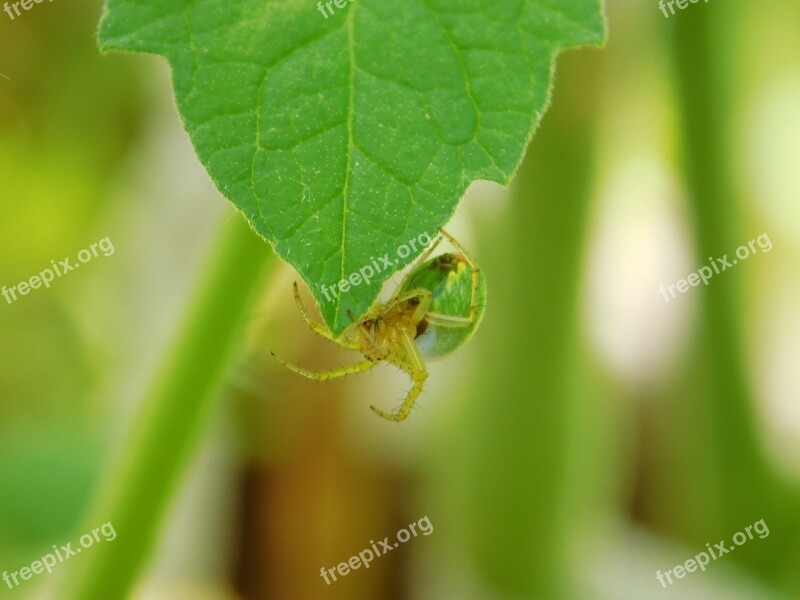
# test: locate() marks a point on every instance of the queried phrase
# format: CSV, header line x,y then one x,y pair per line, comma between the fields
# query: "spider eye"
x,y
446,263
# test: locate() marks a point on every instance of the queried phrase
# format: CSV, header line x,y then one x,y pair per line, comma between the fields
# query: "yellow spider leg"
x,y
447,320
415,367
382,352
326,375
419,312
316,327
422,308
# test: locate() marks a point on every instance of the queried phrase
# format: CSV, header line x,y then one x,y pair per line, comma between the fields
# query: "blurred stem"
x,y
522,421
706,110
744,486
149,468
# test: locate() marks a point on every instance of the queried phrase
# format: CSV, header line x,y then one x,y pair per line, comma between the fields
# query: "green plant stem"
x,y
743,485
521,420
706,107
146,474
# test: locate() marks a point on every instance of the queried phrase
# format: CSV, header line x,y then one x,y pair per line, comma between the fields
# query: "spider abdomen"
x,y
450,320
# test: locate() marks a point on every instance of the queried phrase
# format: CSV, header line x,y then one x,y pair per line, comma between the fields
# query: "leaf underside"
x,y
342,137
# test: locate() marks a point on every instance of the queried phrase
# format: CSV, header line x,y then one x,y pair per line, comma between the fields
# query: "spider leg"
x,y
415,367
425,297
316,327
369,336
447,320
326,375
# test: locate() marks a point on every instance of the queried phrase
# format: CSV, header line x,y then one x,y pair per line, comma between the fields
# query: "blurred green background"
x,y
589,436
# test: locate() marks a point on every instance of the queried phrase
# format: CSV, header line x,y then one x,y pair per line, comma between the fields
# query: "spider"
x,y
435,309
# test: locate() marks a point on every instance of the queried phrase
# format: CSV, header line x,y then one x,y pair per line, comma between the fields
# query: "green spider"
x,y
436,308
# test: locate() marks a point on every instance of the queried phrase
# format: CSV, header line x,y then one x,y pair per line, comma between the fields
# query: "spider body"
x,y
436,309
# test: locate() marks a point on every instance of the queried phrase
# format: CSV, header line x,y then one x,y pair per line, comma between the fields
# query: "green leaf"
x,y
343,136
